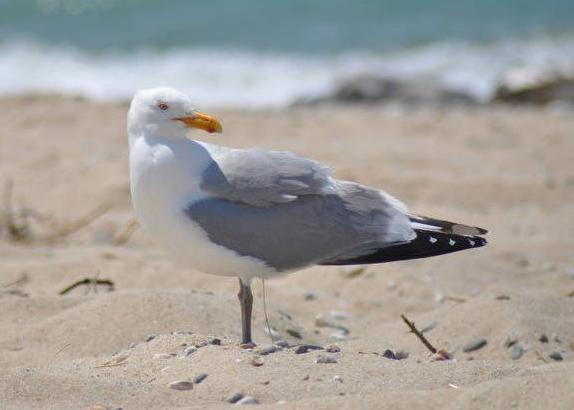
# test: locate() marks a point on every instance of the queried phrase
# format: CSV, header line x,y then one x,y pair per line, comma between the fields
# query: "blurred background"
x,y
255,54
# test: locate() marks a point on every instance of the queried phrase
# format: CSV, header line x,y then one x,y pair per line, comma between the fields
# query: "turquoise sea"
x,y
253,53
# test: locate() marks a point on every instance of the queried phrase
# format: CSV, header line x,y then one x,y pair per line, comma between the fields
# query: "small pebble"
x,y
267,350
323,359
306,348
162,356
332,349
248,346
556,356
516,352
189,350
310,295
215,341
199,378
149,338
247,400
399,355
543,338
441,355
474,345
338,378
235,397
257,362
503,297
282,344
181,385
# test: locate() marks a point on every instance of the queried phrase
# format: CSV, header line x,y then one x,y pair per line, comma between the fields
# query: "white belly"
x,y
162,187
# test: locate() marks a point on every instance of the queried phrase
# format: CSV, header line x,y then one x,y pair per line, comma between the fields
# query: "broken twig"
x,y
88,282
421,337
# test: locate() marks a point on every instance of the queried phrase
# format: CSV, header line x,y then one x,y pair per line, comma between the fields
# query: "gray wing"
x,y
263,178
288,212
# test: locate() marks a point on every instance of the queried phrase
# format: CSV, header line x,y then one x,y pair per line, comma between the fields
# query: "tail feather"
x,y
433,237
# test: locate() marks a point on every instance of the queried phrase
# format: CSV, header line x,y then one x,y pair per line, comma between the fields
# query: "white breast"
x,y
165,178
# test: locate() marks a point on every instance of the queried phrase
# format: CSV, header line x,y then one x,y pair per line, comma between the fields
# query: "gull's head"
x,y
166,112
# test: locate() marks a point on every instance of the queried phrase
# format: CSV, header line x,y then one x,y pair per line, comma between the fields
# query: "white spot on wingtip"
x,y
451,242
472,243
432,239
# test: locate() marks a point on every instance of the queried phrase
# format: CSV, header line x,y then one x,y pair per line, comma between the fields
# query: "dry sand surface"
x,y
510,170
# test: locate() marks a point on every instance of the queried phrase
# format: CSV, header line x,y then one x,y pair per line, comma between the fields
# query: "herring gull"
x,y
252,213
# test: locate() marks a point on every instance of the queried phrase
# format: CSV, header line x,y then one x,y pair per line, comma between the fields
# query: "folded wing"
x,y
288,212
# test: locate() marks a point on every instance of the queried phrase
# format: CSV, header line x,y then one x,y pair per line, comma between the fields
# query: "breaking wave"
x,y
246,79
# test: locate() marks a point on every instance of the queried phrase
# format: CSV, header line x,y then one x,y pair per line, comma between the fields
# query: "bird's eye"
x,y
163,106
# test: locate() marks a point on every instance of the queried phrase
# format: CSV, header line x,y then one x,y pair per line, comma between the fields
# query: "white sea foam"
x,y
255,80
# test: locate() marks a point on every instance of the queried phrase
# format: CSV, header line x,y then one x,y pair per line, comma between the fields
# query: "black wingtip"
x,y
426,244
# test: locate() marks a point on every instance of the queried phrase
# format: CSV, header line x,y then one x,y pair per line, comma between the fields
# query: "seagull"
x,y
253,213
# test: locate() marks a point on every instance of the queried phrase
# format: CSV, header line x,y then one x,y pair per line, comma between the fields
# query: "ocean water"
x,y
253,53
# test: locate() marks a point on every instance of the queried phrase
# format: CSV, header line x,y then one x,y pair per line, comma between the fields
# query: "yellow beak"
x,y
203,122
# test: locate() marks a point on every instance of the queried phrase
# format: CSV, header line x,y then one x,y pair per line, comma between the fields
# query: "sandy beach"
x,y
508,169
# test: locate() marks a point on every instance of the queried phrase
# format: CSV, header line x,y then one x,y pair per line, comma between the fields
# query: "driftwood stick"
x,y
421,337
87,281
